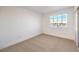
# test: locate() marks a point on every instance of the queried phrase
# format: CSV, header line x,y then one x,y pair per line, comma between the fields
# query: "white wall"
x,y
67,32
18,24
76,27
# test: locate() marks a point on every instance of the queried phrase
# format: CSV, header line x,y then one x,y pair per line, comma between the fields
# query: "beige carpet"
x,y
44,43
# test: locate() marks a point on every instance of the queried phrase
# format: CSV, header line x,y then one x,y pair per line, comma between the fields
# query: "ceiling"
x,y
46,9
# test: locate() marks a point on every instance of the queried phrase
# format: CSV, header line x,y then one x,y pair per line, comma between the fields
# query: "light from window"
x,y
59,20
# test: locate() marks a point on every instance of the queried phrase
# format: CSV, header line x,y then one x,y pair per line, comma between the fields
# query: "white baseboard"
x,y
20,40
58,36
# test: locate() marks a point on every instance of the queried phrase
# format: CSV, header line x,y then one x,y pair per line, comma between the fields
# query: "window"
x,y
59,20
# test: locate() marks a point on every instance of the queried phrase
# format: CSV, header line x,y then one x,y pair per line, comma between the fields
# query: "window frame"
x,y
63,20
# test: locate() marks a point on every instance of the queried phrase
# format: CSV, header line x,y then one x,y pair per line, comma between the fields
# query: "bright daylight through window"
x,y
59,20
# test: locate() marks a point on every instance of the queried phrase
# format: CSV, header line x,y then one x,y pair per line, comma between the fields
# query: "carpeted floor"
x,y
44,43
